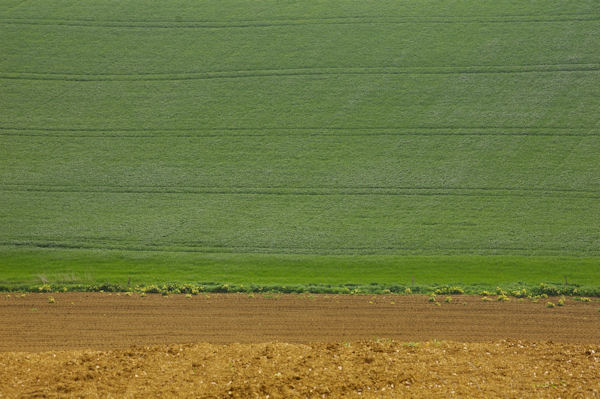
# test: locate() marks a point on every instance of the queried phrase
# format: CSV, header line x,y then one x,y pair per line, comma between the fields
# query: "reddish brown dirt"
x,y
103,321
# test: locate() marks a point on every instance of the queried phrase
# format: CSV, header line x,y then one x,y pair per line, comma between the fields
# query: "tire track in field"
x,y
313,134
369,187
359,68
286,22
577,131
446,127
310,190
291,72
326,18
174,247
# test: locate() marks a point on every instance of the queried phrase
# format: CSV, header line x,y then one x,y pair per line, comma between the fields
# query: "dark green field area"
x,y
316,142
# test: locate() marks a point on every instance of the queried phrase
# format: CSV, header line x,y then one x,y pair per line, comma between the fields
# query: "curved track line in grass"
x,y
312,134
200,132
311,191
91,243
160,129
392,68
324,18
370,187
345,20
316,193
270,73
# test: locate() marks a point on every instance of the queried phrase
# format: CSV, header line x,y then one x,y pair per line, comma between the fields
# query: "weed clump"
x,y
448,299
51,299
45,288
503,298
449,291
550,305
486,299
151,289
582,299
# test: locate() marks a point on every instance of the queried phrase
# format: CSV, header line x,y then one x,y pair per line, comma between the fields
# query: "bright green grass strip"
x,y
28,267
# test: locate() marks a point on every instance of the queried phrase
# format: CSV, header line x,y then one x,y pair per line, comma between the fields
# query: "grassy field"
x,y
322,142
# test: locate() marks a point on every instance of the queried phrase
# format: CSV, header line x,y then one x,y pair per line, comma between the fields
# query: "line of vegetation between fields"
x,y
514,290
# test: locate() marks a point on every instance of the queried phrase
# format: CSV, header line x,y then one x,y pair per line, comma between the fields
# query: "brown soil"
x,y
103,321
368,369
346,362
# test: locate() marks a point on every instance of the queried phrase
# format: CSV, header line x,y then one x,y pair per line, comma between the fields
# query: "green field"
x,y
321,142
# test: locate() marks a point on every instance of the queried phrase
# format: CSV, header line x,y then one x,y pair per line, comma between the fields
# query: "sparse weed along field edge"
x,y
319,145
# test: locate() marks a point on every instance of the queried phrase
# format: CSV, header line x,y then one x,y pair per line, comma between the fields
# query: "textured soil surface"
x,y
101,345
367,369
108,321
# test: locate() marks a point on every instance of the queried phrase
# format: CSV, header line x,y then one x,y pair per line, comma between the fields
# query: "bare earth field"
x,y
107,321
101,345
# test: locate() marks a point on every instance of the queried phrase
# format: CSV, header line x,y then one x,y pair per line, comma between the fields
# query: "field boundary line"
x,y
291,72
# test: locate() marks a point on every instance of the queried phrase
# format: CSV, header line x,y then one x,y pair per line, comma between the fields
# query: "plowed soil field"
x,y
108,321
223,346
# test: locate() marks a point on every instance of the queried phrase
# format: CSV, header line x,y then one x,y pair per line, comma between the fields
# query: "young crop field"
x,y
418,143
